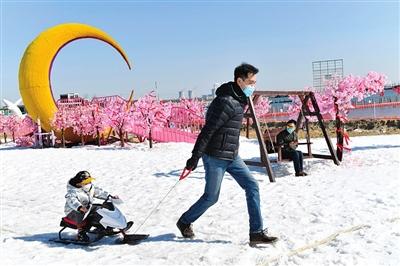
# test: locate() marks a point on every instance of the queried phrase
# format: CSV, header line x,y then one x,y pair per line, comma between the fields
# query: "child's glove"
x,y
82,209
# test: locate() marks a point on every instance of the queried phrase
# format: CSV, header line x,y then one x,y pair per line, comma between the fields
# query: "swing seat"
x,y
270,139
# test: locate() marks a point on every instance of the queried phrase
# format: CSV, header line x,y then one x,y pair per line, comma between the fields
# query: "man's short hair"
x,y
244,70
291,121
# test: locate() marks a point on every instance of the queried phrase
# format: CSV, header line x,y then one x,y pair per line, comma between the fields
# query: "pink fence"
x,y
183,125
385,111
172,135
161,134
377,105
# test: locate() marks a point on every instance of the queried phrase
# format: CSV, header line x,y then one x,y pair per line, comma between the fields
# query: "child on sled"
x,y
80,196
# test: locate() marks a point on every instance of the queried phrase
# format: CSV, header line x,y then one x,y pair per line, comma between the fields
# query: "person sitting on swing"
x,y
289,140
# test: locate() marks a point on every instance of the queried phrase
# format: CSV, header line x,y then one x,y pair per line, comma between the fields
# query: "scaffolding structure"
x,y
324,71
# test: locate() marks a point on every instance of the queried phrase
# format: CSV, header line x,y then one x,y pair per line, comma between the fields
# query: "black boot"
x,y
262,238
186,229
82,236
301,174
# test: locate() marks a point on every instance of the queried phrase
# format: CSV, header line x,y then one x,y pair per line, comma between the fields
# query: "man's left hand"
x,y
191,164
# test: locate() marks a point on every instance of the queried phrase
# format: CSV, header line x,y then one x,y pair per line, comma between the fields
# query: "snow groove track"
x,y
323,241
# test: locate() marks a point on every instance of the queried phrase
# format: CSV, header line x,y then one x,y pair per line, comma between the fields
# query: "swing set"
x,y
306,97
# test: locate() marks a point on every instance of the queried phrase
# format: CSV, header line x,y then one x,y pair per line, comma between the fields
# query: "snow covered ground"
x,y
338,215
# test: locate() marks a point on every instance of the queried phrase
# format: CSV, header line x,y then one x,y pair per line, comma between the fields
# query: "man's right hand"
x,y
191,164
293,145
82,209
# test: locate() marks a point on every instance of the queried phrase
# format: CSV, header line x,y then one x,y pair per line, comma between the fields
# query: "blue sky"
x,y
185,45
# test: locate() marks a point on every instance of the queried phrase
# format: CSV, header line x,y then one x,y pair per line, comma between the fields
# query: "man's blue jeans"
x,y
297,157
215,170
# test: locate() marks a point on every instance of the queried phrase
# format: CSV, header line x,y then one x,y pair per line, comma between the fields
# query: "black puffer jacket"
x,y
284,138
220,134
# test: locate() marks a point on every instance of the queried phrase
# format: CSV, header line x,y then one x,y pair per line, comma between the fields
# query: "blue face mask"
x,y
290,130
248,90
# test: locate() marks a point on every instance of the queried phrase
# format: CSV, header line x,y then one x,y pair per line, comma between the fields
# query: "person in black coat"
x,y
289,140
218,145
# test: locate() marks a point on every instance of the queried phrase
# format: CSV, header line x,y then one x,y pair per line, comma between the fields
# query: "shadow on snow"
x,y
46,238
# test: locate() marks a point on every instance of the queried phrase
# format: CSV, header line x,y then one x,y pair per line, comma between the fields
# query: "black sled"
x,y
107,219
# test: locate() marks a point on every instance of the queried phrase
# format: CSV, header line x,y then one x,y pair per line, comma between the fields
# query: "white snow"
x,y
338,215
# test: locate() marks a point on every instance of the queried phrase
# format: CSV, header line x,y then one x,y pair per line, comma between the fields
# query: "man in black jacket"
x,y
218,145
289,140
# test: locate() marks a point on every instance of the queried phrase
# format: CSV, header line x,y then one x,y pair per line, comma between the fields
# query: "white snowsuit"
x,y
77,197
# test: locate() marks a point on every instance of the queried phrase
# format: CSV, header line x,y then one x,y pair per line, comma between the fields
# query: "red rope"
x,y
185,173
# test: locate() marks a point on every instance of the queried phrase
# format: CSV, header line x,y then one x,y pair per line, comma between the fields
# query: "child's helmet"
x,y
82,178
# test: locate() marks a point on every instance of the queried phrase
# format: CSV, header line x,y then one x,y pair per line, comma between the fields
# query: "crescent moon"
x,y
36,64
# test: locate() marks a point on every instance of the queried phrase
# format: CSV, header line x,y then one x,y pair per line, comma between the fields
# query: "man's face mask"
x,y
290,128
87,187
248,85
248,90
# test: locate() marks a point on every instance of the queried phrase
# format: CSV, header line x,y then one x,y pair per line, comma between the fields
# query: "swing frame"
x,y
305,97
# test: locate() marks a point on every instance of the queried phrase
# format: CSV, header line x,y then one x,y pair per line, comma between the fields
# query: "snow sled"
x,y
106,219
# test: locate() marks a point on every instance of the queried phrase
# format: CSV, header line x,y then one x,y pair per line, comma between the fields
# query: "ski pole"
x,y
183,175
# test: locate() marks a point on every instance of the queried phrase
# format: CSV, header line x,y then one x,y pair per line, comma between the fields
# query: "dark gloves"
x,y
293,145
191,164
82,209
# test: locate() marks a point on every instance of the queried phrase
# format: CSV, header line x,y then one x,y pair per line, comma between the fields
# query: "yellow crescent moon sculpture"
x,y
36,64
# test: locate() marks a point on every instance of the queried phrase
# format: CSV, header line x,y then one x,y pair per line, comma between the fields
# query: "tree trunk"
x,y
5,137
62,138
121,137
102,139
13,136
82,140
98,136
339,133
150,140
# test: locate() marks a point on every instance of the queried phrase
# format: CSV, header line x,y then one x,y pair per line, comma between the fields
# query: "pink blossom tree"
x,y
151,113
261,108
120,116
189,114
27,127
335,101
25,141
13,124
80,118
3,127
196,106
61,121
98,121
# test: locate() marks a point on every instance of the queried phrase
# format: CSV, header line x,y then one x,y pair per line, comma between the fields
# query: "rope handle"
x,y
185,173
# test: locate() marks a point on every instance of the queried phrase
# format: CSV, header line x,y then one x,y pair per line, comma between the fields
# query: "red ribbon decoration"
x,y
342,118
346,138
341,147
